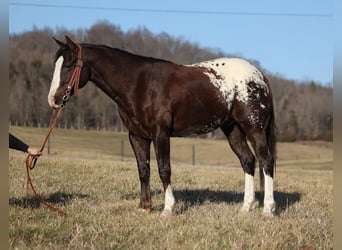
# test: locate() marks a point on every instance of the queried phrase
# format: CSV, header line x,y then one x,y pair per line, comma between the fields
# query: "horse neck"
x,y
112,70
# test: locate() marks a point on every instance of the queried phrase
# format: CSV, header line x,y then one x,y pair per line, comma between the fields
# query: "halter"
x,y
30,159
75,77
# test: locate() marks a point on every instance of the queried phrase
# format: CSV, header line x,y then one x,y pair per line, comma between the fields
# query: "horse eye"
x,y
68,66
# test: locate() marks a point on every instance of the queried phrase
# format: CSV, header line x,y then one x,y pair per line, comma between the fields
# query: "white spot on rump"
x,y
55,81
231,76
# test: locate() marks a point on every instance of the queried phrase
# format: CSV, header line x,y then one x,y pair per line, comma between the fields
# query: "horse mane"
x,y
124,53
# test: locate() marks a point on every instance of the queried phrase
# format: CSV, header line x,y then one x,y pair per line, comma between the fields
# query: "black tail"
x,y
271,142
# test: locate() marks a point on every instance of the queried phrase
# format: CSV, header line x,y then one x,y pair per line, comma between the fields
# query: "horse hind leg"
x,y
161,144
266,163
238,143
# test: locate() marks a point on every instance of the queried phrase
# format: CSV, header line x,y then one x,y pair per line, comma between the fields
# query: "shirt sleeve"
x,y
17,144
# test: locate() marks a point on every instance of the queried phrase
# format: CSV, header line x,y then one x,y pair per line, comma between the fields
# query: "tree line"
x,y
303,109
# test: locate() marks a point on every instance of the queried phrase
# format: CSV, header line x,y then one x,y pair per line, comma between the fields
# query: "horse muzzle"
x,y
52,102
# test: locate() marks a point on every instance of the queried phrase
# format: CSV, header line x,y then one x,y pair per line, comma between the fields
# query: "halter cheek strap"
x,y
74,81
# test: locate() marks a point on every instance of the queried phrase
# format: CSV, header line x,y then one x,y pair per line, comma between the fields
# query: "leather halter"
x,y
75,77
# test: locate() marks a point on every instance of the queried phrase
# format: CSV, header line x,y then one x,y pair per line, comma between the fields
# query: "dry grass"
x,y
106,145
101,195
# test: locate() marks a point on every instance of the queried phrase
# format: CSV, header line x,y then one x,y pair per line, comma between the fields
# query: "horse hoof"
x,y
143,210
269,210
166,213
249,206
244,213
268,214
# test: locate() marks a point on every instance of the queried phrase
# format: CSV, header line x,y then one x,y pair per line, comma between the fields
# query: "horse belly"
x,y
195,129
200,117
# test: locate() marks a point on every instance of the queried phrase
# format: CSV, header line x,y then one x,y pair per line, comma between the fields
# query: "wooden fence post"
x,y
193,155
49,145
122,150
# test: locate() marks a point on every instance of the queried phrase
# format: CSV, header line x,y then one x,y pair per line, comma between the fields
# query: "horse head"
x,y
70,73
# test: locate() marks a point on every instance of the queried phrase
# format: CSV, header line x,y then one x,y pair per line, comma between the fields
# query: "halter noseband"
x,y
75,77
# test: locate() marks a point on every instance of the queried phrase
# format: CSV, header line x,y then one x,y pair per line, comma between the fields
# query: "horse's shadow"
x,y
190,198
193,198
58,198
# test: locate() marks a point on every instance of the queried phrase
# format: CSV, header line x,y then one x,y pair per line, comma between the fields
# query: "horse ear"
x,y
70,43
60,43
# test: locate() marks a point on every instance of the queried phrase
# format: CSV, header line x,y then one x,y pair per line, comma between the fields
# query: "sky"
x,y
293,39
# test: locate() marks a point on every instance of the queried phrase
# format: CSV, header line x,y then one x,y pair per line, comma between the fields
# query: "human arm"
x,y
18,144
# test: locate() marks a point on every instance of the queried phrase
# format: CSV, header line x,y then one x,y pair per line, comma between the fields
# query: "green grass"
x,y
85,177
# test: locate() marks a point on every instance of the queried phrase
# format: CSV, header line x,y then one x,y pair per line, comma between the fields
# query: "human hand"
x,y
34,151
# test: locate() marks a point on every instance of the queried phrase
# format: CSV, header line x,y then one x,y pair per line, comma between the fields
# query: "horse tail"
x,y
271,138
271,142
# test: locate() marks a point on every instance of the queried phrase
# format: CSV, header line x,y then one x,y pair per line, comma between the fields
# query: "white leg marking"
x,y
169,202
55,81
249,202
249,188
269,203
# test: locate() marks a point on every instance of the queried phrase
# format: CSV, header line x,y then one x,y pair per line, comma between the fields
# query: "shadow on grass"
x,y
58,198
193,198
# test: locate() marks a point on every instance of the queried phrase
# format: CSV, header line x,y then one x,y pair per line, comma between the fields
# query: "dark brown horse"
x,y
158,99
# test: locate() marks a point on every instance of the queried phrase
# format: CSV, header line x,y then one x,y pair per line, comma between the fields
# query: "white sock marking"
x,y
169,199
269,203
55,81
249,188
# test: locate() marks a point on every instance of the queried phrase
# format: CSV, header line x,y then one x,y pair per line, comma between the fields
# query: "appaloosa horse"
x,y
158,99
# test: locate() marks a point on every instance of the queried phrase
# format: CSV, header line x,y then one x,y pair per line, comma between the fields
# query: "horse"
x,y
158,99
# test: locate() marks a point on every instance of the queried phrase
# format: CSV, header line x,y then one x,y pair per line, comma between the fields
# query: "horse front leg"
x,y
161,144
141,148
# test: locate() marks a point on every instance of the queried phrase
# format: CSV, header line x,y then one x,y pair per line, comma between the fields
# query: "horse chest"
x,y
133,124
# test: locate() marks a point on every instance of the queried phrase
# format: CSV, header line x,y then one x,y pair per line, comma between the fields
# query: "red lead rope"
x,y
31,162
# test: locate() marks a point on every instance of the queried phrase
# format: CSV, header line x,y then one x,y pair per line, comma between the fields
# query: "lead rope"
x,y
31,159
31,162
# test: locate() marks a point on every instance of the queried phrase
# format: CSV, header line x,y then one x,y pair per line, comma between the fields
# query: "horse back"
x,y
195,99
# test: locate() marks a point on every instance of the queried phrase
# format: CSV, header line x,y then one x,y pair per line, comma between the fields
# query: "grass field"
x,y
85,176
